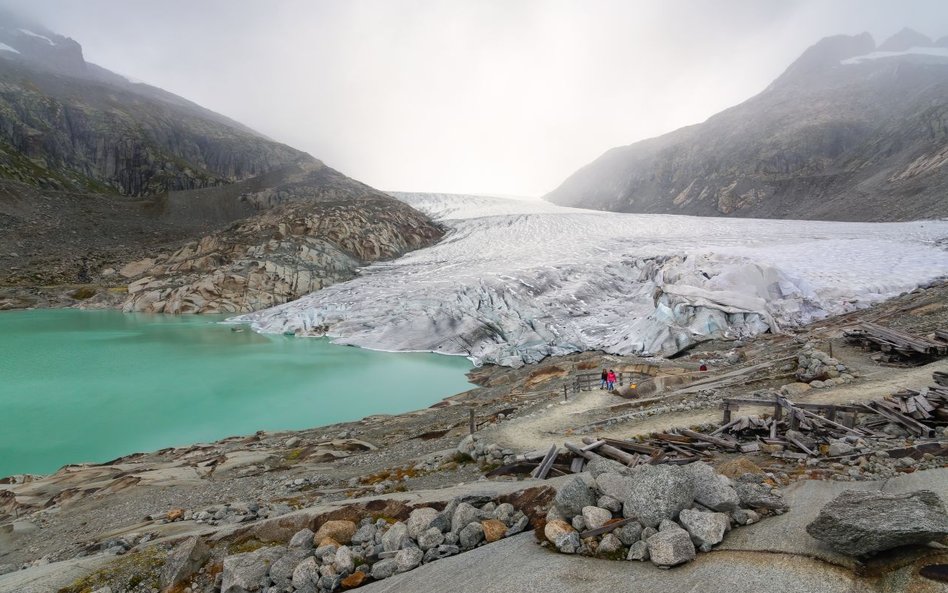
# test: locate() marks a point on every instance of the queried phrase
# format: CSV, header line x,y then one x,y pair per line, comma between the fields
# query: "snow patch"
x,y
940,52
513,282
5,47
37,35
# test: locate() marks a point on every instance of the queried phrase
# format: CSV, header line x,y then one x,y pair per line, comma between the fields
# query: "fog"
x,y
467,96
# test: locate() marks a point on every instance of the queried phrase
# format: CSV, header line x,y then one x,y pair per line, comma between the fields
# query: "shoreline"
x,y
518,412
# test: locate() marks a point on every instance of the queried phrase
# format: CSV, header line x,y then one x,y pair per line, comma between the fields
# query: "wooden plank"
x,y
673,438
544,468
594,446
796,442
630,446
576,466
725,427
910,423
751,447
709,439
610,451
790,405
576,450
605,528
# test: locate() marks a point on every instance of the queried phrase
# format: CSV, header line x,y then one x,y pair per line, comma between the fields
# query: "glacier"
x,y
515,281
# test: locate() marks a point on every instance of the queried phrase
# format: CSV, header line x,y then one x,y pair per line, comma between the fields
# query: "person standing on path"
x,y
610,380
605,379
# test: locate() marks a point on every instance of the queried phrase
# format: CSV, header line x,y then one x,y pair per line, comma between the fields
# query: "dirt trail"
x,y
553,425
550,424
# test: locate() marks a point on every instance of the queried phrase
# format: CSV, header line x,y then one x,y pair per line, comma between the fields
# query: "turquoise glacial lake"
x,y
90,386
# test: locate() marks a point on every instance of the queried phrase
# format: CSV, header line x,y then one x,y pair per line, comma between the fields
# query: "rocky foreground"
x,y
408,502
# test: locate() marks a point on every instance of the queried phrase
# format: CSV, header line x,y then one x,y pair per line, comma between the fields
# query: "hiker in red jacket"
x,y
610,380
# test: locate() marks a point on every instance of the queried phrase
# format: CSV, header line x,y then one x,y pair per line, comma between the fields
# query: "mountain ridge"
x,y
828,139
114,193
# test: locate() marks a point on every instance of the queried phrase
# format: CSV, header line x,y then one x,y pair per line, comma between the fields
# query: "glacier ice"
x,y
516,281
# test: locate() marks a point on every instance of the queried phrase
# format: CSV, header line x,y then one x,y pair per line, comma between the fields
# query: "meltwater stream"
x,y
78,386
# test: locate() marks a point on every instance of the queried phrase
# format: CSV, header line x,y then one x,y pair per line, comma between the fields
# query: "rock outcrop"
x,y
861,523
843,134
315,228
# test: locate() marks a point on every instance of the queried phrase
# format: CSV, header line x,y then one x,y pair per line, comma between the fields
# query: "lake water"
x,y
81,386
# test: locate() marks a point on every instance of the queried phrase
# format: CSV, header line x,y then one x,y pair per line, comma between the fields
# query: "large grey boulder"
x,y
595,517
706,529
599,465
670,547
344,562
384,569
306,573
432,538
243,572
712,489
187,559
464,515
573,496
471,535
755,494
443,521
614,485
281,571
638,551
303,539
396,535
366,533
860,523
420,520
659,492
629,533
408,559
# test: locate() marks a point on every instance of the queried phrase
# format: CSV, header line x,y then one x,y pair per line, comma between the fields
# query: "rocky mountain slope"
x,y
68,124
97,172
849,132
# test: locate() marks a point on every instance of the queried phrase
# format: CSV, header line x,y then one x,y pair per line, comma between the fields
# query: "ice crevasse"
x,y
516,281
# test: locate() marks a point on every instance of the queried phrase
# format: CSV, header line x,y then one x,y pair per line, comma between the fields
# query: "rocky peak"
x,y
827,53
905,40
39,46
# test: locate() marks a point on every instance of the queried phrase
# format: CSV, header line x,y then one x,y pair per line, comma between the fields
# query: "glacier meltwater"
x,y
516,281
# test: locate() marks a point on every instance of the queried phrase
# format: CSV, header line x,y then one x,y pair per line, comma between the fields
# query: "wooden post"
x,y
727,412
470,419
778,411
565,397
794,420
831,348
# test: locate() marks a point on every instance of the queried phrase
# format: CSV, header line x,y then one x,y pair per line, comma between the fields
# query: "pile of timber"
x,y
792,431
898,344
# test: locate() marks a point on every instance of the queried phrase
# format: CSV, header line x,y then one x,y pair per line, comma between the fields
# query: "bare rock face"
x,y
860,523
318,228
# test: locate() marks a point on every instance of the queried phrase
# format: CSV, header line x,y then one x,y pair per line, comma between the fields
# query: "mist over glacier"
x,y
516,281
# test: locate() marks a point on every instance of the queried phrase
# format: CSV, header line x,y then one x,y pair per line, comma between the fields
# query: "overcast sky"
x,y
465,96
